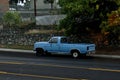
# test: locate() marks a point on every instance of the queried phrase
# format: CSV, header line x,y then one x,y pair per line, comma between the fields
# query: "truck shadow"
x,y
32,55
66,56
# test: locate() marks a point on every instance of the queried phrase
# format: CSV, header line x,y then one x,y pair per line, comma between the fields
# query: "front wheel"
x,y
75,54
39,52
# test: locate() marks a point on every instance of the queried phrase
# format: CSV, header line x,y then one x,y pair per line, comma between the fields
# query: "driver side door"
x,y
54,47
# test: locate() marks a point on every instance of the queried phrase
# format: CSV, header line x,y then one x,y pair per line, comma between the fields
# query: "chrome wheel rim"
x,y
75,54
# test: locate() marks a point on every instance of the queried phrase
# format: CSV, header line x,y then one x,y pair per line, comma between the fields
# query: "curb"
x,y
31,51
17,50
107,56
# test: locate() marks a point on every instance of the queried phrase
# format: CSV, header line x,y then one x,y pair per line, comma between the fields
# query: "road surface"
x,y
26,66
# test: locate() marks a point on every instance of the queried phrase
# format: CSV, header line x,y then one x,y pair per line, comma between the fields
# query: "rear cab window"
x,y
64,40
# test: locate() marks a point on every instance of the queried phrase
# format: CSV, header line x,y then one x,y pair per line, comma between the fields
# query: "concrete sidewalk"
x,y
107,56
17,50
31,51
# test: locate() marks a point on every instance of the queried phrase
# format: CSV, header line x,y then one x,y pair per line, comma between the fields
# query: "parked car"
x,y
62,45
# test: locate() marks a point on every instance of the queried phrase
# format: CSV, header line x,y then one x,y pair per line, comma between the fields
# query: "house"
x,y
4,6
44,14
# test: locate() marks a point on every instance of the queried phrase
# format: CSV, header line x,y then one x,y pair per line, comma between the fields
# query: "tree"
x,y
85,16
16,1
78,13
12,19
112,27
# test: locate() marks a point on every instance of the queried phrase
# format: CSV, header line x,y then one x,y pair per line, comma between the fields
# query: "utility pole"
x,y
35,11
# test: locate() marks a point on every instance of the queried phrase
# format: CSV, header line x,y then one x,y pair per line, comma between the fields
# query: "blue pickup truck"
x,y
61,45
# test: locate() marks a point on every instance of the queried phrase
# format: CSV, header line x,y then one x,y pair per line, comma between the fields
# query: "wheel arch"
x,y
39,48
73,50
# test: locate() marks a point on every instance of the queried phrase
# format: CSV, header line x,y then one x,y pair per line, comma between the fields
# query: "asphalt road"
x,y
26,66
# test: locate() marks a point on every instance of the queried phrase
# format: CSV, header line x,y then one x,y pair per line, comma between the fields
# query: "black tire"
x,y
75,54
39,52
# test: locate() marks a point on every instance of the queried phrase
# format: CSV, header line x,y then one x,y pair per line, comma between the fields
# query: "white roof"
x,y
49,19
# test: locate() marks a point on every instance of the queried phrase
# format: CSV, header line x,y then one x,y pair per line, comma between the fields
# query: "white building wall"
x,y
41,5
44,9
49,19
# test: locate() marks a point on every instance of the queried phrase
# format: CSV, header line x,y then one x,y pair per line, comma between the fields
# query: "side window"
x,y
64,40
53,40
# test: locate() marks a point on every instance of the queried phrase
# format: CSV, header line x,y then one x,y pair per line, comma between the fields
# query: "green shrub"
x,y
12,19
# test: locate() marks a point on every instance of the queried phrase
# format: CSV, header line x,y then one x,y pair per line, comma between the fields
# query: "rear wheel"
x,y
39,52
75,54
